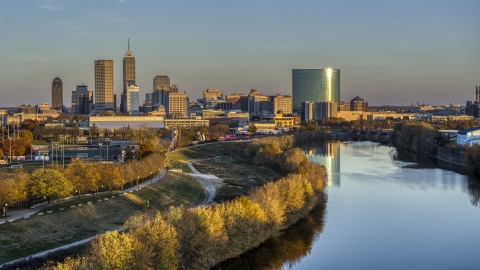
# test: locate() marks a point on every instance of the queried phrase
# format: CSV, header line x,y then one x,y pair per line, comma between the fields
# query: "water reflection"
x,y
474,191
287,249
472,185
327,154
394,210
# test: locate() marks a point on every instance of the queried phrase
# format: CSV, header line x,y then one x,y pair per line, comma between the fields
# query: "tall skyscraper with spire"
x,y
128,76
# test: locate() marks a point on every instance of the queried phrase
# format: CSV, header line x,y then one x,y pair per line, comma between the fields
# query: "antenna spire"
x,y
129,44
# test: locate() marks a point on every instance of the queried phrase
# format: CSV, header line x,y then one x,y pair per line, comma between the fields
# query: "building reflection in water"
x,y
328,155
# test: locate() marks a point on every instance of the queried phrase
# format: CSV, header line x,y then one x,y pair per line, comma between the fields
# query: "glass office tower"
x,y
315,85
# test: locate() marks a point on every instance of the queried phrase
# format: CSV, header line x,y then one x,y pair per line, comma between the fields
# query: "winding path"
x,y
207,180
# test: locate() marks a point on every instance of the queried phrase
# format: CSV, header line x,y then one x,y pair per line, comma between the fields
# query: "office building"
x,y
358,104
161,81
104,98
211,97
176,105
82,100
132,99
255,100
316,111
128,76
44,107
282,103
318,85
235,100
57,94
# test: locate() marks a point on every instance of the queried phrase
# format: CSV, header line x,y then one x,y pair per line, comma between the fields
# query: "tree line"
x,y
198,238
78,178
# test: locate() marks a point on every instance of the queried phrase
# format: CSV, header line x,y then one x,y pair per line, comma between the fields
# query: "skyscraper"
x,y
161,81
132,99
128,75
315,85
82,100
104,99
57,94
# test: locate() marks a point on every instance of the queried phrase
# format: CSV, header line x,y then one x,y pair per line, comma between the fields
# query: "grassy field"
x,y
238,171
38,233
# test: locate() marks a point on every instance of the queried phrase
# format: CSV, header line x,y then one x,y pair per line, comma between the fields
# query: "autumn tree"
x,y
113,251
19,187
78,174
252,129
144,150
50,183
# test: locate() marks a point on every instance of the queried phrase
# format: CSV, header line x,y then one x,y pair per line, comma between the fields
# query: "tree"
x,y
128,153
50,183
113,251
93,131
144,150
75,129
26,135
77,173
252,129
19,190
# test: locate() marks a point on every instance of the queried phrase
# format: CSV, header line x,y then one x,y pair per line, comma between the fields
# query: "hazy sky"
x,y
389,52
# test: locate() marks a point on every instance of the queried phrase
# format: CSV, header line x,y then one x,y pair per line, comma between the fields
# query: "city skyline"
x,y
389,52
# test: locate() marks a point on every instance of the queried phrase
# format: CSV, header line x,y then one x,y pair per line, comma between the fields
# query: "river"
x,y
386,210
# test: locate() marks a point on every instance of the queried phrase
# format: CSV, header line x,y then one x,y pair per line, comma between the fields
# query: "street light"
x,y
10,140
43,153
107,140
138,179
76,195
100,144
102,193
62,138
6,207
44,204
151,177
53,142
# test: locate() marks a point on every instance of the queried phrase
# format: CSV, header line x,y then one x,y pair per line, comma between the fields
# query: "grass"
x,y
25,237
180,158
238,171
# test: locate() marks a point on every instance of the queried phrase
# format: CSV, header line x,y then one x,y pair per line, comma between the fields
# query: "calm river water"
x,y
385,210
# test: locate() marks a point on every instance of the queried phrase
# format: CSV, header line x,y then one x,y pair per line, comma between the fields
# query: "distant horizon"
x,y
388,52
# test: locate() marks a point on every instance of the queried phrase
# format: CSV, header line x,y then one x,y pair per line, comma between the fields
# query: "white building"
x,y
469,136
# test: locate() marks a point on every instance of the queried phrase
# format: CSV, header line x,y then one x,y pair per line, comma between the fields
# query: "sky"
x,y
389,52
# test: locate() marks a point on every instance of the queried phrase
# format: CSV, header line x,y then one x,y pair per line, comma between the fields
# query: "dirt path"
x,y
209,180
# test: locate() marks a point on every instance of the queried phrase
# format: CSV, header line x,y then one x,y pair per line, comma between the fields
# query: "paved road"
x,y
19,214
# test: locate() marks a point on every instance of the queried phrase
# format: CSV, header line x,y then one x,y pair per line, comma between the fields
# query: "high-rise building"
x,y
282,103
315,111
82,100
315,85
132,99
57,94
176,105
104,98
161,81
128,76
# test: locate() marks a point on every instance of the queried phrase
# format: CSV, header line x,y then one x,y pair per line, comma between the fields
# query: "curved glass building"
x,y
315,85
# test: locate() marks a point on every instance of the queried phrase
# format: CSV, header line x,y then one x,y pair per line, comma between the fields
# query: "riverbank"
x,y
198,238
